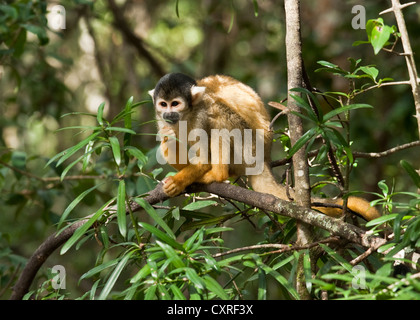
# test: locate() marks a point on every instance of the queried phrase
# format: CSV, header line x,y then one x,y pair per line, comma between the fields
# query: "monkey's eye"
x,y
174,103
163,104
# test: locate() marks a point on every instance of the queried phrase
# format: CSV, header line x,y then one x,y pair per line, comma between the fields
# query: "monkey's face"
x,y
174,96
171,110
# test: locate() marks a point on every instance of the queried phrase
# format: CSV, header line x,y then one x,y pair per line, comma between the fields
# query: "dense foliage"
x,y
78,141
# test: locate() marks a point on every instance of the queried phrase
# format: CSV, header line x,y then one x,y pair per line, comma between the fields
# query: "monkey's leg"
x,y
170,149
217,173
191,173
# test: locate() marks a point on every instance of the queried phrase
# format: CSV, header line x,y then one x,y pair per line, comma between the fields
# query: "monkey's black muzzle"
x,y
171,117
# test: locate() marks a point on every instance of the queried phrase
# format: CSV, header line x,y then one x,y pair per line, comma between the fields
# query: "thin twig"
x,y
401,7
282,247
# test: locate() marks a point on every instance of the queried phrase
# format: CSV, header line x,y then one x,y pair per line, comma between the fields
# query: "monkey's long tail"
x,y
266,182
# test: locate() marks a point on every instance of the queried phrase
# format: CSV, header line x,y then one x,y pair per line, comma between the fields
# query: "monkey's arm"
x,y
188,173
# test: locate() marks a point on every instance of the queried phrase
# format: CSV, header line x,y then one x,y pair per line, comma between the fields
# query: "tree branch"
x,y
260,200
409,57
121,24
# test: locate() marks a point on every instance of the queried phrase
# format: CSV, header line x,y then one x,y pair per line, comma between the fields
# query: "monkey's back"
x,y
240,98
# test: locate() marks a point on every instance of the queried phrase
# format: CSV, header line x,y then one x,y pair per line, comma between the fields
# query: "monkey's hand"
x,y
165,133
189,174
171,187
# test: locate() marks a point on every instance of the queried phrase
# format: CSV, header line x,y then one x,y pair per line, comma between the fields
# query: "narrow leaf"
x,y
153,214
178,295
119,129
411,172
381,220
115,146
143,273
262,285
199,205
171,254
82,229
161,235
99,116
307,270
337,111
343,262
70,151
115,275
121,212
194,278
98,269
75,202
215,287
303,140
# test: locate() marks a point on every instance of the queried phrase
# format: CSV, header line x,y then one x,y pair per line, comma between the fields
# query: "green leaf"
x,y
343,262
208,222
255,7
150,293
232,17
411,172
9,11
381,220
119,129
262,285
177,8
349,107
178,295
38,31
359,42
313,132
100,114
385,247
384,187
143,273
153,214
194,278
282,280
190,241
72,150
115,275
75,202
171,254
115,146
199,205
127,109
121,211
137,154
372,72
83,228
379,37
330,67
161,235
99,269
215,287
71,165
88,154
307,270
305,105
18,160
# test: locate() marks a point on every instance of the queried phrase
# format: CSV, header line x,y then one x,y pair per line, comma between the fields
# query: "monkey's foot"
x,y
170,187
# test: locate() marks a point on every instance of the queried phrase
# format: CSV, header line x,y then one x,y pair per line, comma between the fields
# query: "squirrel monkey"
x,y
204,109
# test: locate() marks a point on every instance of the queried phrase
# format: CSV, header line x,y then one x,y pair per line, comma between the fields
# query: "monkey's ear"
x,y
151,93
197,94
